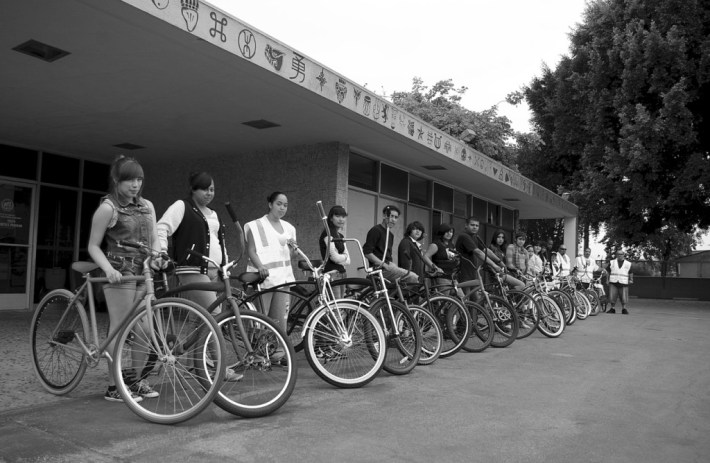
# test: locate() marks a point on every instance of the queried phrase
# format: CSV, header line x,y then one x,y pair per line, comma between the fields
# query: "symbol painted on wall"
x,y
341,90
189,13
299,66
437,141
161,4
429,138
356,95
385,110
410,128
447,146
218,28
321,78
274,56
247,43
463,154
393,121
376,109
420,133
366,105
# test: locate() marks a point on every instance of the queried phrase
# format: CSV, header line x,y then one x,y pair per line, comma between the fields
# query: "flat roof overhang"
x,y
137,77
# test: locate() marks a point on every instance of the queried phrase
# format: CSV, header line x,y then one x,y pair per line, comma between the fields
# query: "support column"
x,y
570,238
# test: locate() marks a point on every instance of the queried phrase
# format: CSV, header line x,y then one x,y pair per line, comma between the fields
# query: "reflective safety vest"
x,y
272,250
562,264
619,274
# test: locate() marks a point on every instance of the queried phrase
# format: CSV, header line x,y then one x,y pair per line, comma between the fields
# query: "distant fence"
x,y
670,288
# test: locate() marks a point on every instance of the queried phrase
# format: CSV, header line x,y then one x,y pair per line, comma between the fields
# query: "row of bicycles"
x,y
349,330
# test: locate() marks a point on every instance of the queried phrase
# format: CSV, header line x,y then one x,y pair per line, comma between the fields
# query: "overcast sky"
x,y
491,47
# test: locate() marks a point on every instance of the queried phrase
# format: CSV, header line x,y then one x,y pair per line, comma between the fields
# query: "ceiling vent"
x,y
41,51
261,124
434,167
511,199
129,146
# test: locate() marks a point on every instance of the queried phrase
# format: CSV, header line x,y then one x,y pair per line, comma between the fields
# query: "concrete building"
x,y
183,86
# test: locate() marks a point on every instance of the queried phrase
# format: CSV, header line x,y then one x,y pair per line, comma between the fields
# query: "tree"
x,y
625,121
441,106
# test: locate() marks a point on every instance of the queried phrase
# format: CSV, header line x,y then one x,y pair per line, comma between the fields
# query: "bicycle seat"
x,y
249,278
84,267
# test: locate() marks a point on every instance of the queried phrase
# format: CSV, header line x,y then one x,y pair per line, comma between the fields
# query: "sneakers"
x,y
278,354
115,396
611,310
143,389
624,311
232,376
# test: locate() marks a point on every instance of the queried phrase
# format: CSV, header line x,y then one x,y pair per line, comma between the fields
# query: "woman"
x,y
409,251
337,255
268,240
193,225
534,261
498,246
442,253
124,214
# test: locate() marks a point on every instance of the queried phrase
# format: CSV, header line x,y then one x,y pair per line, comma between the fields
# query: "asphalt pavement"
x,y
612,388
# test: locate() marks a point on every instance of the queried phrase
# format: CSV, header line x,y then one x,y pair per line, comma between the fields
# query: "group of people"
x,y
190,224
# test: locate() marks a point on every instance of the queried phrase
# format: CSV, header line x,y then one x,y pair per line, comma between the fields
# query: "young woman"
x,y
337,254
124,214
409,251
442,252
268,240
498,246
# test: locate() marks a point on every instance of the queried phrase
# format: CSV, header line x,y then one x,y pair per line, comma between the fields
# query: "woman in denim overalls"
x,y
123,215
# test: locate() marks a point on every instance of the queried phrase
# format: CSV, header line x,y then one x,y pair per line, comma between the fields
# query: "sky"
x,y
491,47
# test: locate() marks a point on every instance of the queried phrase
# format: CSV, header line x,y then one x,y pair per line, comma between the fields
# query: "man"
x,y
378,247
516,257
561,265
535,265
585,267
620,277
471,247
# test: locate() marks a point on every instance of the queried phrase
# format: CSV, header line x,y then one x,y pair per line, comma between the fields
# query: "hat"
x,y
337,210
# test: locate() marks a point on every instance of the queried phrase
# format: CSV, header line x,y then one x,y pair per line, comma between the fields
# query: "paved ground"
x,y
613,388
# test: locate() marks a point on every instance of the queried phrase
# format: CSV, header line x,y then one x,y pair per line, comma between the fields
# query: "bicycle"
x,y
550,318
251,340
164,335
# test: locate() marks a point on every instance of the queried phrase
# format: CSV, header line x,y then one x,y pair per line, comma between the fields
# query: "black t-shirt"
x,y
375,242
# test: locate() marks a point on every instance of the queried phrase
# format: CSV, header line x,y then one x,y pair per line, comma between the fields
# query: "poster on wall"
x,y
15,204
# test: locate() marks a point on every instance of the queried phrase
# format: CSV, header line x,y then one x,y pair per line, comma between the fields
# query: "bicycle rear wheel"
x,y
342,344
482,328
454,319
564,301
403,349
57,333
581,305
186,334
594,301
505,320
432,337
266,385
551,319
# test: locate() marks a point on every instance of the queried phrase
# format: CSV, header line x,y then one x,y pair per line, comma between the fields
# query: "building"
x,y
695,265
183,86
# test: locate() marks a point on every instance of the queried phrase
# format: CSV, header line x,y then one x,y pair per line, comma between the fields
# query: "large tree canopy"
x,y
624,122
441,107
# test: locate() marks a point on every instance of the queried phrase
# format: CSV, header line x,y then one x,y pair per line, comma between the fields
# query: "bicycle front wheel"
x,y
57,333
266,381
342,344
526,308
174,368
594,301
404,340
551,319
455,322
482,328
432,336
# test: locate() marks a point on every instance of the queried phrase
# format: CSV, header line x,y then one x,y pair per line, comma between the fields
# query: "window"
x,y
493,214
96,176
479,209
419,191
19,162
394,182
443,198
460,204
508,218
60,170
362,172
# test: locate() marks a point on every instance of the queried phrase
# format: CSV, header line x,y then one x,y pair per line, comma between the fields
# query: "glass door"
x,y
15,251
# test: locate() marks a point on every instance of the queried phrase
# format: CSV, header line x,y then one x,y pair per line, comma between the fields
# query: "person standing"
x,y
561,265
516,257
442,253
124,214
620,277
586,266
409,252
268,247
499,247
337,256
535,265
378,247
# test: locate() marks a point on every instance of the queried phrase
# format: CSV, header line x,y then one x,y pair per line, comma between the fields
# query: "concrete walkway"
x,y
613,388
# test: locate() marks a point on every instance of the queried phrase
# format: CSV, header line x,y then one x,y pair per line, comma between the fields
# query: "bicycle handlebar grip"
x,y
321,211
230,210
195,253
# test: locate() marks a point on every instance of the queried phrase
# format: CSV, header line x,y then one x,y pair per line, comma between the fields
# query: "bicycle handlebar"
x,y
144,248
